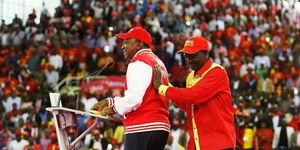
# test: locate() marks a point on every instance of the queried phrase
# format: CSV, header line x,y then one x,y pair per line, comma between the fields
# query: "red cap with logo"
x,y
137,33
195,44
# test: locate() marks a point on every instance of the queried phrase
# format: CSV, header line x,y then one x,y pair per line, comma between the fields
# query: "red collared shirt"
x,y
211,98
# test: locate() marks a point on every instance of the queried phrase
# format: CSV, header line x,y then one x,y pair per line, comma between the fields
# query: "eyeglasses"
x,y
190,56
204,53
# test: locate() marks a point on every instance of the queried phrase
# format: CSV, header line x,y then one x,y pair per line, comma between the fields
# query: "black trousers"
x,y
152,140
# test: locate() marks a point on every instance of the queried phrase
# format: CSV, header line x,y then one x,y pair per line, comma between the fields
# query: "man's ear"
x,y
140,45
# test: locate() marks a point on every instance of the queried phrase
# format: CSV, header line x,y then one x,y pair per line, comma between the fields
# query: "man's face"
x,y
130,47
18,138
97,137
197,60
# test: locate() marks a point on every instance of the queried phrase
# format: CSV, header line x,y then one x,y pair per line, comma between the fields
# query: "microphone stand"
x,y
95,76
92,74
58,90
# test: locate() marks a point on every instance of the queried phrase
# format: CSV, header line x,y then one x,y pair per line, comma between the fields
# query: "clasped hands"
x,y
103,108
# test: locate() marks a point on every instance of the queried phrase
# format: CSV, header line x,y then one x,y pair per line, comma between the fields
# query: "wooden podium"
x,y
65,117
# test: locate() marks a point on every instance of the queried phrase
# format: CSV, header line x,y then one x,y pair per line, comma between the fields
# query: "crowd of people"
x,y
257,42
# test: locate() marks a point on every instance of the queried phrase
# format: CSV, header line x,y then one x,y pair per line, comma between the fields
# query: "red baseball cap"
x,y
137,33
195,44
96,132
18,132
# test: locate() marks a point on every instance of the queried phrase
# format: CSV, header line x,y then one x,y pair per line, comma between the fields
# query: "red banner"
x,y
102,85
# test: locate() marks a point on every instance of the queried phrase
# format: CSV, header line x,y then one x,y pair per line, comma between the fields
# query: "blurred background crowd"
x,y
257,41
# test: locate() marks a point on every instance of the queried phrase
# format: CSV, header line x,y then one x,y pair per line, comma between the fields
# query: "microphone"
x,y
94,74
98,73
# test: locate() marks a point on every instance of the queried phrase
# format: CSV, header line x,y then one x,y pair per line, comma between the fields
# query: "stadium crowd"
x,y
257,41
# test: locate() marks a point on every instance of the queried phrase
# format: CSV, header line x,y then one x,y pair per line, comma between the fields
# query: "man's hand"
x,y
157,77
100,105
107,111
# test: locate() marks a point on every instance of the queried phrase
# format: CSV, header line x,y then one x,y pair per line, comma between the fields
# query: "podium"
x,y
66,117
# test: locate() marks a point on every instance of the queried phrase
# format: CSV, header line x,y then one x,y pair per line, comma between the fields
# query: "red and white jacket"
x,y
143,109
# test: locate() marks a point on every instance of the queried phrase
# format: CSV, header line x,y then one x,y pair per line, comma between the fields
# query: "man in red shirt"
x,y
54,143
145,113
206,99
4,136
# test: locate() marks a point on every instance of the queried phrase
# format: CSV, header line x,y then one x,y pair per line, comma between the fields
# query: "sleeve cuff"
x,y
163,89
170,84
114,108
111,102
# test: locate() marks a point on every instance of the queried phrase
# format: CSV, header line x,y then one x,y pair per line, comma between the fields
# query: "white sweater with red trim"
x,y
143,109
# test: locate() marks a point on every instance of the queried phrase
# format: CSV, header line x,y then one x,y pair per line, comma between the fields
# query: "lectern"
x,y
66,117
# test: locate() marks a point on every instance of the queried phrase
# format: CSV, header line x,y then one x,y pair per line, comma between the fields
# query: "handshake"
x,y
104,108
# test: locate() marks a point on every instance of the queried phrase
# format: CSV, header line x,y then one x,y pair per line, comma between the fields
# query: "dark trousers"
x,y
152,140
282,148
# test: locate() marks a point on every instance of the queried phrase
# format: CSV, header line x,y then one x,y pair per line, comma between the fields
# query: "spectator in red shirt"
x,y
15,112
263,137
30,84
4,136
54,143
